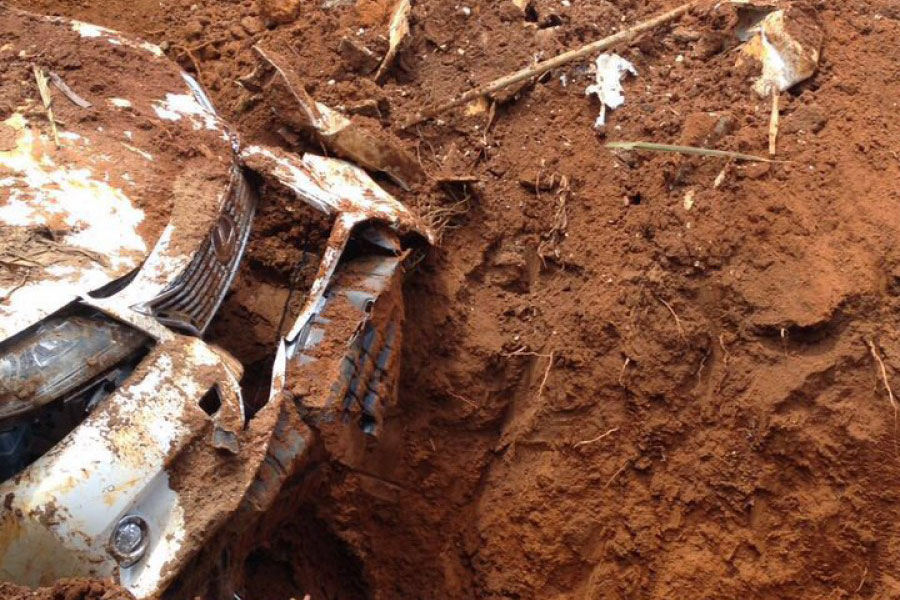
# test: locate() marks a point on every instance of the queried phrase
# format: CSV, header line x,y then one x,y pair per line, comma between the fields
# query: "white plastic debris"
x,y
611,68
786,61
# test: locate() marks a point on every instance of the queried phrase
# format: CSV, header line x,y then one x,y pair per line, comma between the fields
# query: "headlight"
x,y
58,357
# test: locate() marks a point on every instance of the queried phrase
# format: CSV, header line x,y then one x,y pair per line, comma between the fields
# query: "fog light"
x,y
129,540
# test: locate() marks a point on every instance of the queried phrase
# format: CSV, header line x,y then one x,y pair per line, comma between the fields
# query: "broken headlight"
x,y
59,357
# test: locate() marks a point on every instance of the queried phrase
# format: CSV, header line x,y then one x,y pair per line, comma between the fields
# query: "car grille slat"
x,y
191,301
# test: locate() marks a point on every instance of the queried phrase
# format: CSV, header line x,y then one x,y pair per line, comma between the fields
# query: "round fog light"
x,y
129,540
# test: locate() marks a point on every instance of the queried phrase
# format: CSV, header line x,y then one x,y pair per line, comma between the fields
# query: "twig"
x,y
67,91
462,398
546,376
773,122
47,99
14,288
624,366
887,386
560,219
542,67
702,364
523,352
884,376
727,356
863,580
674,314
616,474
490,121
187,52
653,147
596,439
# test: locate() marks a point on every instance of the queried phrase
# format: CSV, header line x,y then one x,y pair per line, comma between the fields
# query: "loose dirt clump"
x,y
678,397
71,589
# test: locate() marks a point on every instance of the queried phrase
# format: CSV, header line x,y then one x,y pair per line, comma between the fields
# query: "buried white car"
x,y
125,447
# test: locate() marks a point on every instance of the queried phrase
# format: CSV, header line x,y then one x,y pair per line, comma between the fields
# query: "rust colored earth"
x,y
625,374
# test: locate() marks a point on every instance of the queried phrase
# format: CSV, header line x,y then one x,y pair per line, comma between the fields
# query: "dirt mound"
x,y
72,589
626,374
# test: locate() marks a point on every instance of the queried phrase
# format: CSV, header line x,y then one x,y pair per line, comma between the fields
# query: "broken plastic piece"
x,y
786,60
611,68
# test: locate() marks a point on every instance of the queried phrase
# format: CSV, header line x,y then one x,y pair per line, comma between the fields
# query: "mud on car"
x,y
127,446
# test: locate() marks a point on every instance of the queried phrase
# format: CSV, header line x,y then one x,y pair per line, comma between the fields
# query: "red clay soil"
x,y
610,392
70,589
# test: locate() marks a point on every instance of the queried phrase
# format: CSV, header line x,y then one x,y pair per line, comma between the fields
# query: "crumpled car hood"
x,y
88,211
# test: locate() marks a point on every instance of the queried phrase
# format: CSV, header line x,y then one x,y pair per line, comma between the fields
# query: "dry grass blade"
x,y
546,375
654,147
68,92
675,315
43,89
887,386
596,439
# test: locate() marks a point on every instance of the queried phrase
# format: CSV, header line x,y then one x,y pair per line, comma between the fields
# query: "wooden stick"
x,y
542,67
773,122
47,100
687,150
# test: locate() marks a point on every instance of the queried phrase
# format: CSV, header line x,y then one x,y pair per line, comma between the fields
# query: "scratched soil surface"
x,y
626,374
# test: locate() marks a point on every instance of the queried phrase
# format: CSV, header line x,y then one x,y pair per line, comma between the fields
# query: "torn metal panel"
x,y
333,186
365,307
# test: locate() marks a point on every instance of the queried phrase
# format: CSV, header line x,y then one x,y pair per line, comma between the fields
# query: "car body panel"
x,y
151,449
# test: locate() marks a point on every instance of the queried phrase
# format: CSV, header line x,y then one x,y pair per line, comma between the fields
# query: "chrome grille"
x,y
190,302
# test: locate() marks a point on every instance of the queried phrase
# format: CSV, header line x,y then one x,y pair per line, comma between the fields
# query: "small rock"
x,y
193,29
369,107
538,180
252,25
357,57
698,128
209,52
709,45
279,11
684,34
547,38
755,170
810,118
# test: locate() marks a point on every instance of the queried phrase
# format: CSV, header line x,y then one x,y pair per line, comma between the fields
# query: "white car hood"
x,y
77,216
